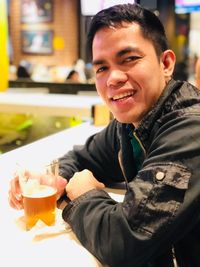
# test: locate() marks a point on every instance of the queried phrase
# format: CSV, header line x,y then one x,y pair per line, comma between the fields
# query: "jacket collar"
x,y
143,132
149,121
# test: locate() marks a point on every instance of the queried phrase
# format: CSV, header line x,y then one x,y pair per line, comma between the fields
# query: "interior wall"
x,y
65,29
194,37
194,48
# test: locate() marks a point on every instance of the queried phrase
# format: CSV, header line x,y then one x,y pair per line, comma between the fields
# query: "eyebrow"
x,y
118,55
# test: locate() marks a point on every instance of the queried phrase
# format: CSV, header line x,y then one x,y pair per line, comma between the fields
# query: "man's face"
x,y
129,75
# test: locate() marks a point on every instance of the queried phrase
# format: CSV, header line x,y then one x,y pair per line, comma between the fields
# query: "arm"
x,y
154,212
97,152
99,155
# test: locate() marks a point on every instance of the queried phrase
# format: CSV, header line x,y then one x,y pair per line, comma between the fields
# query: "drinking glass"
x,y
39,194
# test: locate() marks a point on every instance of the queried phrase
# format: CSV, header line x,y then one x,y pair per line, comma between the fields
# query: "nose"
x,y
116,78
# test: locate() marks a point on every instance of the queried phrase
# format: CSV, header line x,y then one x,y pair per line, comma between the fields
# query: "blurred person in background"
x,y
24,70
22,73
73,76
79,66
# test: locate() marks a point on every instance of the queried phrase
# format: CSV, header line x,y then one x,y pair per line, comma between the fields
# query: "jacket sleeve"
x,y
99,155
157,207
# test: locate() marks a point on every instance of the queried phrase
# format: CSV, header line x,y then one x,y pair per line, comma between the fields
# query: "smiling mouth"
x,y
122,96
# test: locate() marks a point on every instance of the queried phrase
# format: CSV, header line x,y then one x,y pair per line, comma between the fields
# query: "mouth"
x,y
123,96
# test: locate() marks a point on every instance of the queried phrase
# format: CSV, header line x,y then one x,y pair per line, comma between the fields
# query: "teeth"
x,y
120,96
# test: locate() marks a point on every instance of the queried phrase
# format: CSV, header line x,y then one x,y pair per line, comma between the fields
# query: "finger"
x,y
15,202
60,184
100,185
15,185
15,194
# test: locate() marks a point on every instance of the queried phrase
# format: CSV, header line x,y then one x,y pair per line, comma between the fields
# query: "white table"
x,y
55,246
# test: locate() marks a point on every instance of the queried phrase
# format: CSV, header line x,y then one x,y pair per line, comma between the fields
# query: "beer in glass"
x,y
40,204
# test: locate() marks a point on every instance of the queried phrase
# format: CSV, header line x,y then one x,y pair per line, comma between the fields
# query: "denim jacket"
x,y
158,222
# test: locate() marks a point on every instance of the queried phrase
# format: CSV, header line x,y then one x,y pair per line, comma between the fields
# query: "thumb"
x,y
100,185
60,184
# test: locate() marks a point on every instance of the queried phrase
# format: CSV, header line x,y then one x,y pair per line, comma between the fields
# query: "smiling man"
x,y
152,146
124,70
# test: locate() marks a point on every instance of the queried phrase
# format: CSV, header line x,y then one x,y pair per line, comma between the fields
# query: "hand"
x,y
82,182
57,182
15,194
15,198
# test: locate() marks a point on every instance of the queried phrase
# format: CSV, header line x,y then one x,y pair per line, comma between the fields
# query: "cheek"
x,y
101,88
144,74
150,77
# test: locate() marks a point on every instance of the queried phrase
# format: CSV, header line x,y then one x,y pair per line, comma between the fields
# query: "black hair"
x,y
22,72
150,25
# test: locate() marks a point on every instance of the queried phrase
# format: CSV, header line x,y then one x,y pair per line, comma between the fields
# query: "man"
x,y
153,145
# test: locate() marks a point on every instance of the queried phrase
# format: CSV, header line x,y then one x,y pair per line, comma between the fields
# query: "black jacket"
x,y
160,215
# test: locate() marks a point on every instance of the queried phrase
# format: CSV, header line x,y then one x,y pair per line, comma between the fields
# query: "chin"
x,y
123,120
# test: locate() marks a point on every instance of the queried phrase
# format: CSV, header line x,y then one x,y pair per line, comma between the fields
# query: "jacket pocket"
x,y
155,195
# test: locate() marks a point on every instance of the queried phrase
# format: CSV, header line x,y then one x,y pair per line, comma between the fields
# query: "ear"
x,y
168,60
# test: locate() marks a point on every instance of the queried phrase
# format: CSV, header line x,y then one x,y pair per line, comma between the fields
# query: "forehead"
x,y
117,31
110,39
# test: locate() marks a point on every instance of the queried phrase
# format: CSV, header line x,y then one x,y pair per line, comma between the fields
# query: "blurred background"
x,y
45,44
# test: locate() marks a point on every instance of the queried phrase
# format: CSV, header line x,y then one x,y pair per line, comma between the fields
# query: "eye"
x,y
131,58
101,69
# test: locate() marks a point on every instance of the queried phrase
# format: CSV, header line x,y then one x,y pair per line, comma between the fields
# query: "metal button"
x,y
160,176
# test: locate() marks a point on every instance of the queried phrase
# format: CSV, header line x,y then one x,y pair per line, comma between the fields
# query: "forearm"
x,y
97,155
